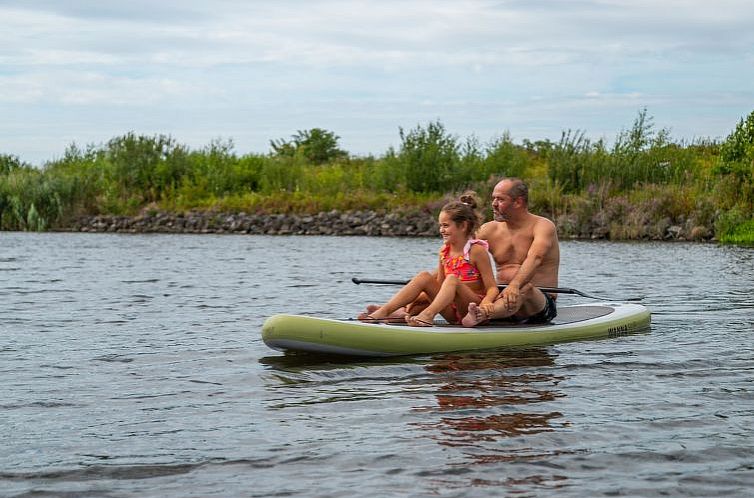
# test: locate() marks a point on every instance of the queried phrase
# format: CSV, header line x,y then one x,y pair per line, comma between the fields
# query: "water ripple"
x,y
133,366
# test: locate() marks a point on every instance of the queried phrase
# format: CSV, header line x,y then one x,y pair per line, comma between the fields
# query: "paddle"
x,y
551,290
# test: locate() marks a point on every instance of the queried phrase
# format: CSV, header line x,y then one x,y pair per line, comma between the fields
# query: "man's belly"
x,y
545,277
506,273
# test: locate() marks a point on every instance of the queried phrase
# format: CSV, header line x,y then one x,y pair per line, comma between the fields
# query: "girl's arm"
x,y
481,260
440,274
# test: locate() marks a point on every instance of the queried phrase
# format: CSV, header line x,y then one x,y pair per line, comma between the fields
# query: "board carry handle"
x,y
549,290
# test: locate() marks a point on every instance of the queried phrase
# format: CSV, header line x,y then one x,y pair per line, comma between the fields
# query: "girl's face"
x,y
450,230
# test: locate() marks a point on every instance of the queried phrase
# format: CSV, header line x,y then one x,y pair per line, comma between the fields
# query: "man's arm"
x,y
544,237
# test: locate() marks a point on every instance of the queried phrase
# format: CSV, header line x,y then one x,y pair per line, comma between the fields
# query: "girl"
x,y
465,272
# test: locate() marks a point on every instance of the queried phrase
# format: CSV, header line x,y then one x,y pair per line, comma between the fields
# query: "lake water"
x,y
132,365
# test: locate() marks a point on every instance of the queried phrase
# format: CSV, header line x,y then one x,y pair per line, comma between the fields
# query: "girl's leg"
x,y
423,282
440,304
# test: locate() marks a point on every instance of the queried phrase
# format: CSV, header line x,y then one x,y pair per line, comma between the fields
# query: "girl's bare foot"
x,y
474,317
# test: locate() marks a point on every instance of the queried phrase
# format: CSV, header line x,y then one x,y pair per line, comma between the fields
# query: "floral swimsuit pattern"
x,y
461,266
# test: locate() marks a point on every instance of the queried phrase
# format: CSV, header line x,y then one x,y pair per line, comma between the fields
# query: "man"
x,y
525,248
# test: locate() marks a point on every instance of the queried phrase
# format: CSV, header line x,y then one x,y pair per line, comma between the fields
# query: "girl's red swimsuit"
x,y
461,265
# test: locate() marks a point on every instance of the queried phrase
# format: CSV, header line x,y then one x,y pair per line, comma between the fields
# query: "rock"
x,y
673,231
699,233
659,230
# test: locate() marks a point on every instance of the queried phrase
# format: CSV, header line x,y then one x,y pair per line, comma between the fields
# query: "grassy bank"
x,y
643,179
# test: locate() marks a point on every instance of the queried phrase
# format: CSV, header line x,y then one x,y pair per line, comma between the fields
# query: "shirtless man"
x,y
525,248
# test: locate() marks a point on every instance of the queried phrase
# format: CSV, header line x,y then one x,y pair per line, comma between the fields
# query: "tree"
x,y
10,163
317,145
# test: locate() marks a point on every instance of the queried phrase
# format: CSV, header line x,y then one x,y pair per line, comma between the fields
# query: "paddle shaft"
x,y
550,290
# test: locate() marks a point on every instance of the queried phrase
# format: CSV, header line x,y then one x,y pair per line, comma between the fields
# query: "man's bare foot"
x,y
372,314
474,317
420,321
366,316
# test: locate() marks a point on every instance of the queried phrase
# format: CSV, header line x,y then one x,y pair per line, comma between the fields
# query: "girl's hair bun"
x,y
470,199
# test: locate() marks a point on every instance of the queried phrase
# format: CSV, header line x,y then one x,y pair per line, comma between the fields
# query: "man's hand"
x,y
511,297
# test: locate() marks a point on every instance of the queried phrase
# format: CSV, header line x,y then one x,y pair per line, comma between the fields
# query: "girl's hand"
x,y
487,308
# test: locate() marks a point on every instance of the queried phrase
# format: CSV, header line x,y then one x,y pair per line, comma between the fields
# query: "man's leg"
x,y
532,302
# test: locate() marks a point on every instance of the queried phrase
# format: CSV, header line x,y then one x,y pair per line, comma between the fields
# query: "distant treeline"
x,y
644,170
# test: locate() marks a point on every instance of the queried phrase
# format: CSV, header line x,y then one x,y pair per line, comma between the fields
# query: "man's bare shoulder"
x,y
545,228
544,223
490,229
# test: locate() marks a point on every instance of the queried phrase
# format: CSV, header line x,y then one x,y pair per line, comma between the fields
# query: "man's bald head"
x,y
515,188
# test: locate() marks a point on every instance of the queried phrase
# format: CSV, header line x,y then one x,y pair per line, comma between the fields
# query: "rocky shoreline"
x,y
368,223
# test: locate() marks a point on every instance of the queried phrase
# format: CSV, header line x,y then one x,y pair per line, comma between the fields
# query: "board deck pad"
x,y
567,314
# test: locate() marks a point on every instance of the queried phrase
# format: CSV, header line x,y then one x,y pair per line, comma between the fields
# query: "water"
x,y
132,365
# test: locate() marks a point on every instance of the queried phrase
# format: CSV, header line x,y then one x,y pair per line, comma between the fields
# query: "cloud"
x,y
261,68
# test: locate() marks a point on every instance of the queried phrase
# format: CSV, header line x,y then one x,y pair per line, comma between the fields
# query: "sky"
x,y
86,71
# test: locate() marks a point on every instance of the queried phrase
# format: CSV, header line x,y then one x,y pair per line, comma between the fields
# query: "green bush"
x,y
388,174
10,163
430,157
504,158
736,163
574,161
742,234
317,146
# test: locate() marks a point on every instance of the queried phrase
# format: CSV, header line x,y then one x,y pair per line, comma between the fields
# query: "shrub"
x,y
742,234
10,163
430,156
504,158
736,163
317,146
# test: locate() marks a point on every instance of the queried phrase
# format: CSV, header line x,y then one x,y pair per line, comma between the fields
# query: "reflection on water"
x,y
488,404
484,406
489,396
